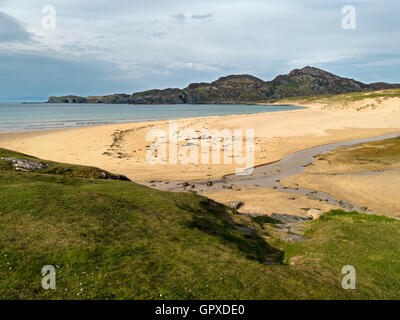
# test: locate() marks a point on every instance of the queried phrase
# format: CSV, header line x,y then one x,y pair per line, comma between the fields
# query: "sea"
x,y
17,116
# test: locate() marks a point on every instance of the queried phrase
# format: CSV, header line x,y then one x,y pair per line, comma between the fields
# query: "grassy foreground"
x,y
119,240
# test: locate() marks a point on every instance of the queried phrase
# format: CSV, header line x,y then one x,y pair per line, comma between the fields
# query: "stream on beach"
x,y
269,175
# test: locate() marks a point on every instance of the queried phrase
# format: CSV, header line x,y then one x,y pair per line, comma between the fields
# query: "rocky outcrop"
x,y
67,99
114,98
235,204
25,165
312,81
30,165
236,89
110,176
166,96
290,228
229,90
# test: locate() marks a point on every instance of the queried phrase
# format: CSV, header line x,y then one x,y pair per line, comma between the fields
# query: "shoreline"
x,y
49,131
120,148
131,121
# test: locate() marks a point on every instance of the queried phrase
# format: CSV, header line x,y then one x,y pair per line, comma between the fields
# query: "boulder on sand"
x,y
314,213
235,204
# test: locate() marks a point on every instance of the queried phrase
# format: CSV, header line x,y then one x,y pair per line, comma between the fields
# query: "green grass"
x,y
386,150
119,240
378,155
366,242
56,168
345,98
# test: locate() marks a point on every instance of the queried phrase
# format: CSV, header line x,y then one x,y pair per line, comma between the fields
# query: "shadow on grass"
x,y
214,219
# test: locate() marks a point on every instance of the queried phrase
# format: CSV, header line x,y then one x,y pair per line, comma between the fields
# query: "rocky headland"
x,y
236,89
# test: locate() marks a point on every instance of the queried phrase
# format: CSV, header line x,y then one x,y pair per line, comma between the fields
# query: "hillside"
x,y
240,89
112,239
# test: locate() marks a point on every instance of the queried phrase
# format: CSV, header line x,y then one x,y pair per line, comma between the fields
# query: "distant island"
x,y
236,89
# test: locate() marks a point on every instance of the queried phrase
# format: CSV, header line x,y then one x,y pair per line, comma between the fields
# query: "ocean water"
x,y
43,116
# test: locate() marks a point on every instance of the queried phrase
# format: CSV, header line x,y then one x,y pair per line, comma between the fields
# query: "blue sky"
x,y
103,47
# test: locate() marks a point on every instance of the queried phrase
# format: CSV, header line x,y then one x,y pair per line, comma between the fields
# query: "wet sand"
x,y
264,185
378,192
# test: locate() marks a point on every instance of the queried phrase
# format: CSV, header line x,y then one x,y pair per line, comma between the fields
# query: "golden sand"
x,y
121,148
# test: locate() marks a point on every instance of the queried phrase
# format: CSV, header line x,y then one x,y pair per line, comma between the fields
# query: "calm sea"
x,y
43,116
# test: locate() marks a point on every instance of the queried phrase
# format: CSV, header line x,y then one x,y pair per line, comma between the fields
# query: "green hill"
x,y
114,239
236,89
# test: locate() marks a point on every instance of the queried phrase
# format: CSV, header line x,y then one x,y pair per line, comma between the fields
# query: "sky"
x,y
98,47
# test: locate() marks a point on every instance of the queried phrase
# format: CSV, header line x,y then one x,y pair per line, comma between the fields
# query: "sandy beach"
x,y
121,148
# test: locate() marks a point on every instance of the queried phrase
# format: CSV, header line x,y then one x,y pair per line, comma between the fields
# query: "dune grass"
x,y
342,99
371,156
119,240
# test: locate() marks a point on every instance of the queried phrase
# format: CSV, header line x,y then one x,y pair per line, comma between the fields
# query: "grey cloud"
x,y
368,67
202,16
37,76
179,18
155,44
12,30
158,34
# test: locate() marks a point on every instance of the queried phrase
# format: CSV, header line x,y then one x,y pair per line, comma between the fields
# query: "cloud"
x,y
158,34
12,30
202,16
134,45
181,18
368,67
33,75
